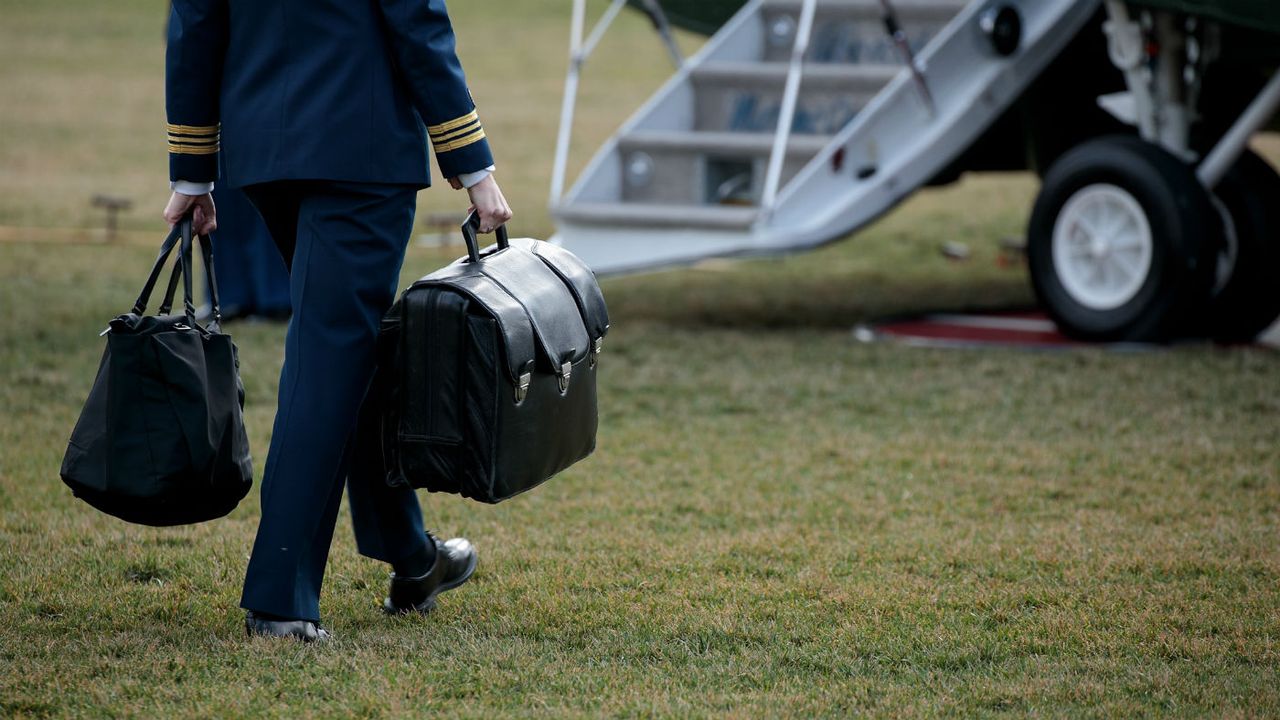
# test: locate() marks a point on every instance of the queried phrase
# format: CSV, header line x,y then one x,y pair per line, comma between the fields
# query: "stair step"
x,y
853,32
652,215
747,96
706,168
864,78
907,10
741,144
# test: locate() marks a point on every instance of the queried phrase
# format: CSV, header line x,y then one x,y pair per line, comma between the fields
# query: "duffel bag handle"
x,y
166,305
183,237
471,226
215,308
144,297
184,259
206,252
189,238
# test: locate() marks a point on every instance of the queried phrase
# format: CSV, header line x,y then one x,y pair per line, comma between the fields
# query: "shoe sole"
x,y
429,604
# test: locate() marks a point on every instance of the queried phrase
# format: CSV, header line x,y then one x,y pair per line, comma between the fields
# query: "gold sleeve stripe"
x,y
193,141
455,123
462,142
178,149
455,134
194,129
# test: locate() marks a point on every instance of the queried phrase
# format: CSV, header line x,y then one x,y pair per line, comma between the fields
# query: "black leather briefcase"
x,y
487,373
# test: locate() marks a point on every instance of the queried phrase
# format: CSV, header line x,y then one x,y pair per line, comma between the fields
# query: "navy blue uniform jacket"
x,y
346,90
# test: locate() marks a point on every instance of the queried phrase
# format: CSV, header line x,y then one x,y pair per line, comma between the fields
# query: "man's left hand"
x,y
204,215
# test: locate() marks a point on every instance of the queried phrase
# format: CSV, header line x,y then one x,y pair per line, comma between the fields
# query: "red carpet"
x,y
1031,330
1026,329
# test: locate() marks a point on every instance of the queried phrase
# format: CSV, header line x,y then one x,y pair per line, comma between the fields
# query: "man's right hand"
x,y
487,201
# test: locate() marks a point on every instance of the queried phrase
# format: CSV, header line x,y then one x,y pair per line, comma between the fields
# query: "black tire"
x,y
1184,230
1247,301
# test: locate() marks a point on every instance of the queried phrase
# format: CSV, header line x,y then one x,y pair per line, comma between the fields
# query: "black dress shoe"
x,y
455,561
304,630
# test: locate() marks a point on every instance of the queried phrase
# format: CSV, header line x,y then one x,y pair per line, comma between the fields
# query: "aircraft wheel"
x,y
1120,243
1246,293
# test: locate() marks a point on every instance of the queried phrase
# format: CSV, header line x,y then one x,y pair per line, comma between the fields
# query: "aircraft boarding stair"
x,y
801,121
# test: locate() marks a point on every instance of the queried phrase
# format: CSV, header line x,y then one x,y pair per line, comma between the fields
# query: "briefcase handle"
x,y
471,226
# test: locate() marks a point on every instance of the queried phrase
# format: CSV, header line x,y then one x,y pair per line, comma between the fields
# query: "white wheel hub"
x,y
1102,246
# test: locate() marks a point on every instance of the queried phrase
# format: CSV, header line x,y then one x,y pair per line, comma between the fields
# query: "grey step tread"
x,y
908,11
707,217
721,143
865,77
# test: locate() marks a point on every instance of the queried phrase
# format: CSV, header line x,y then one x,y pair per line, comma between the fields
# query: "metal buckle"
x,y
597,347
563,377
522,387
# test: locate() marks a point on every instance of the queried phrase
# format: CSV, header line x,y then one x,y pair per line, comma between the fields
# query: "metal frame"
x,y
1223,155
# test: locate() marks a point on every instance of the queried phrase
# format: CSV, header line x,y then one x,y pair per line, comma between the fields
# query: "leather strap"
x,y
182,270
206,254
166,248
166,305
188,306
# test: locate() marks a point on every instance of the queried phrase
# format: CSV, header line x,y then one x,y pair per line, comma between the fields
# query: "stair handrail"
x,y
579,51
662,26
787,113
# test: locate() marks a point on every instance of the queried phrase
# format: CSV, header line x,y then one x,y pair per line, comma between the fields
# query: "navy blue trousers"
x,y
251,278
344,244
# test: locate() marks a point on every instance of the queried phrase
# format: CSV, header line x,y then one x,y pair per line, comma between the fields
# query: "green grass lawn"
x,y
780,521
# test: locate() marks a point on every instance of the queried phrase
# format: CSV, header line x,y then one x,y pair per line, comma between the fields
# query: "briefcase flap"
x,y
538,315
580,280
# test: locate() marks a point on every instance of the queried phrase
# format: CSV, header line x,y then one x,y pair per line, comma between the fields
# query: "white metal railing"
x,y
1228,150
579,51
787,113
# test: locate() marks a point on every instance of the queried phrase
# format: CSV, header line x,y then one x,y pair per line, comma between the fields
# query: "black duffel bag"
x,y
487,373
161,440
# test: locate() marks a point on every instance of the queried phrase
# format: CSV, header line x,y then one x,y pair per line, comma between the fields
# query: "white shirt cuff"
x,y
191,188
471,178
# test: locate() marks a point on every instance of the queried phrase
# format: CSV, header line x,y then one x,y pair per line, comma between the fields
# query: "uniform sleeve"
x,y
197,42
423,44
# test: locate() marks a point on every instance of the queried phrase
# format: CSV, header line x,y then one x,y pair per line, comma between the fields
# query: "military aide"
x,y
322,111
